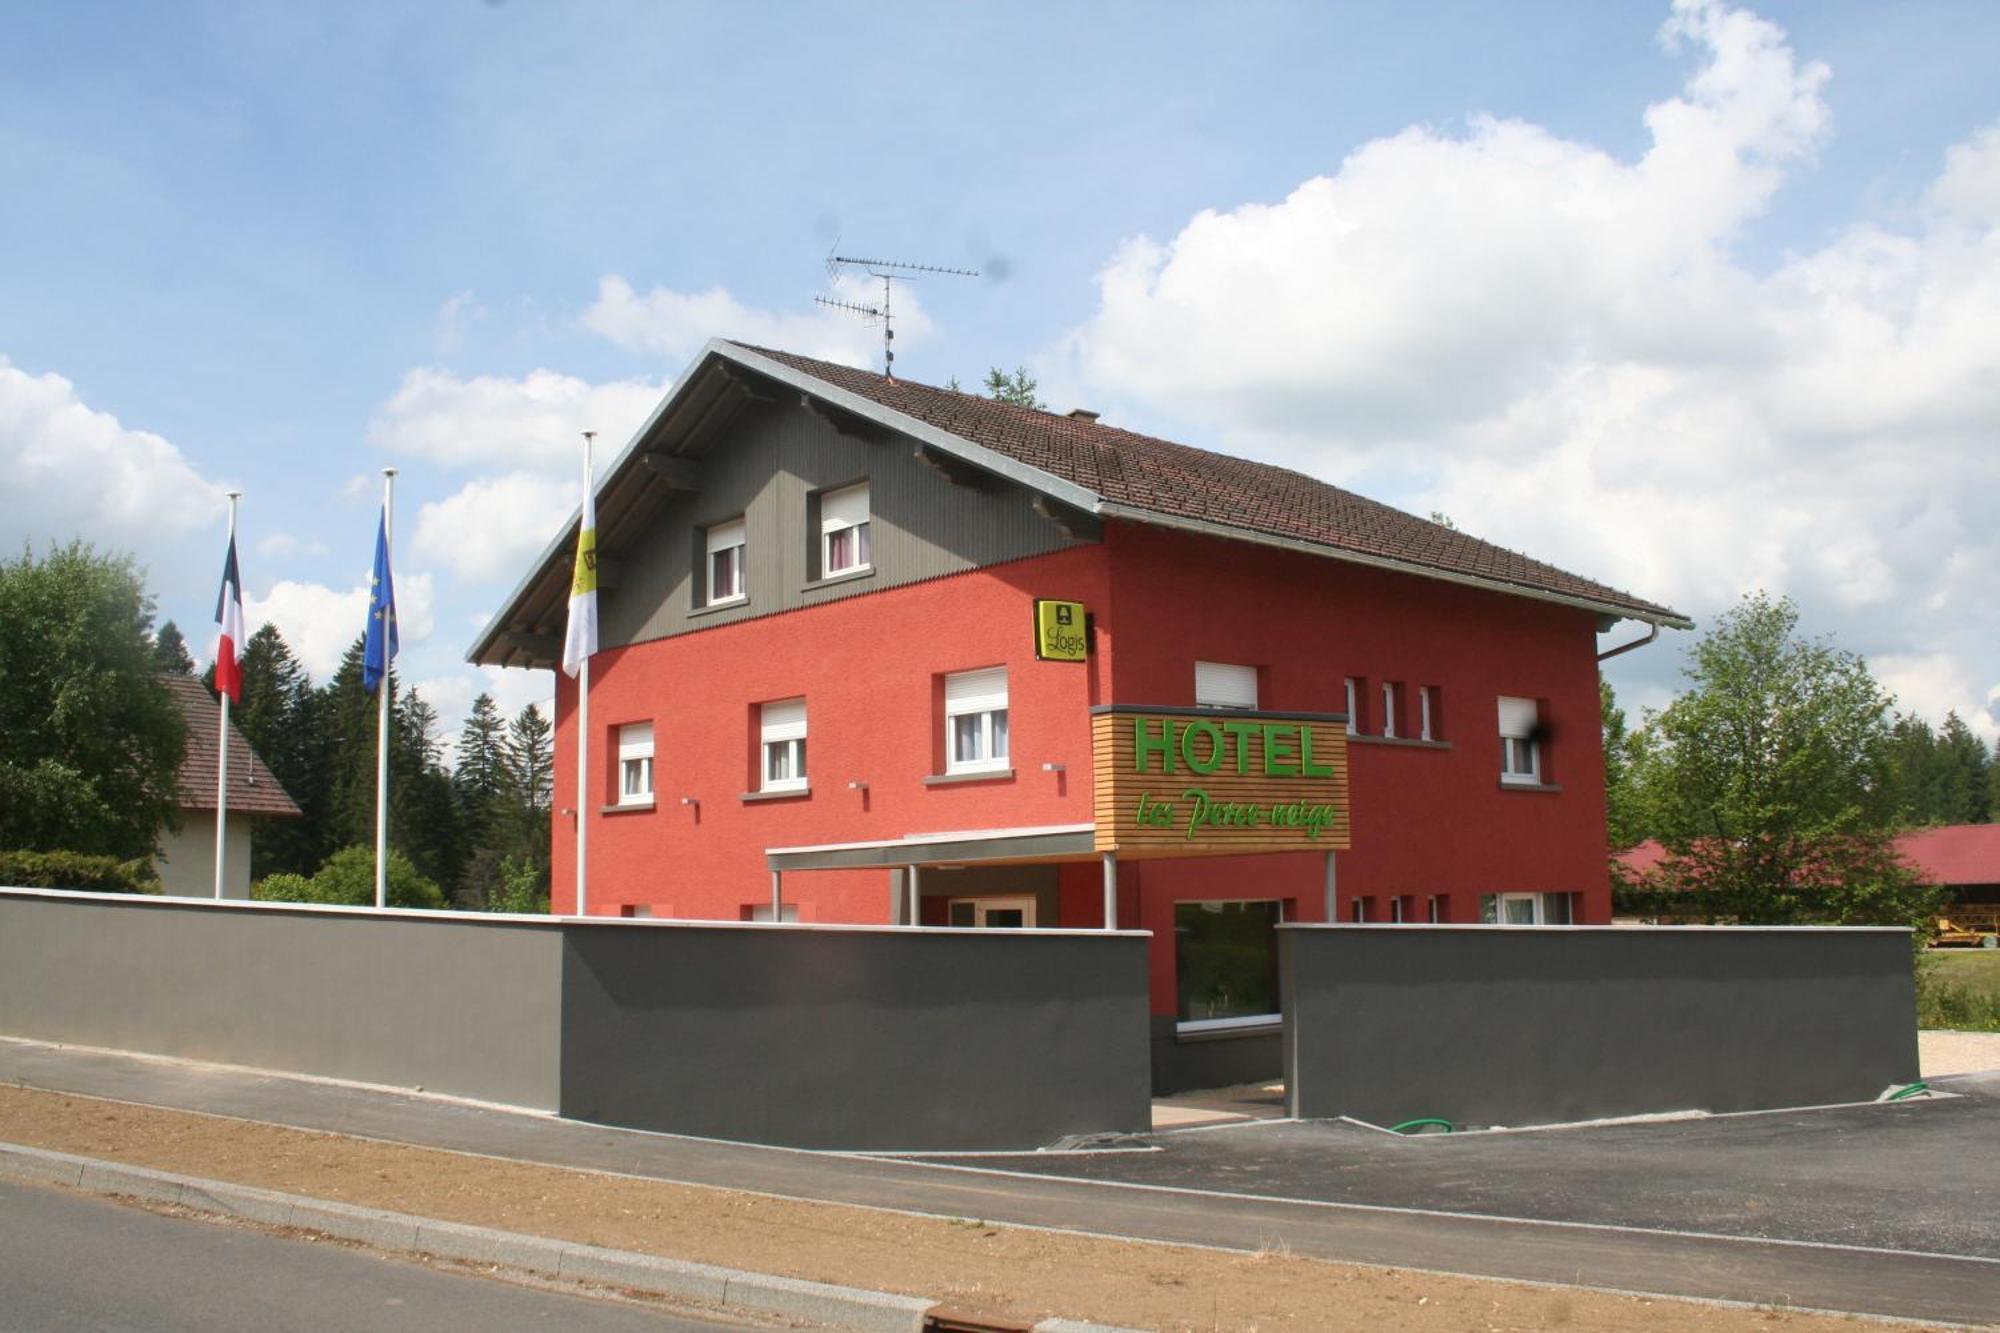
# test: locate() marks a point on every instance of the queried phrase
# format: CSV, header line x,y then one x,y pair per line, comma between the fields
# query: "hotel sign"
x,y
1217,782
1062,631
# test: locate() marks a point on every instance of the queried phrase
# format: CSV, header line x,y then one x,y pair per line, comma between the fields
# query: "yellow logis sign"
x,y
1211,782
1062,631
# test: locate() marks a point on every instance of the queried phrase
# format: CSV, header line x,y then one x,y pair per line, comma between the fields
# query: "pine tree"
x,y
487,815
276,717
1018,388
170,653
531,761
1963,780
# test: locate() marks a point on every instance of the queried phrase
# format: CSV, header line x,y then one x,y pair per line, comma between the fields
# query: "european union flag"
x,y
380,649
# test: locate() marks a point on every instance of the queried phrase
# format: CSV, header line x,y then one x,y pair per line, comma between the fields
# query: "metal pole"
x,y
222,740
1111,890
915,908
382,709
583,725
1329,888
777,895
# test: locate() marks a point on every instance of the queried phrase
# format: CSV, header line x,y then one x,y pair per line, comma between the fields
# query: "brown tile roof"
x,y
253,788
1178,481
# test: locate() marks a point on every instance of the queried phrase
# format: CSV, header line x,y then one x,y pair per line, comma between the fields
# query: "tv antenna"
x,y
891,272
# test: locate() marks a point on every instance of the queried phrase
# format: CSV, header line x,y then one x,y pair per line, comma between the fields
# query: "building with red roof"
x,y
884,653
186,863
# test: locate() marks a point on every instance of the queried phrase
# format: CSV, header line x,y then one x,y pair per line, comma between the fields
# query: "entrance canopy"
x,y
1045,845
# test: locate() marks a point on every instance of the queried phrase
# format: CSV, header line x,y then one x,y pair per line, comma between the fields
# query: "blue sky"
x,y
1692,300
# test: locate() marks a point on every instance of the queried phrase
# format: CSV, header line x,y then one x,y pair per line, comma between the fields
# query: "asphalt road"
x,y
72,1262
1561,1237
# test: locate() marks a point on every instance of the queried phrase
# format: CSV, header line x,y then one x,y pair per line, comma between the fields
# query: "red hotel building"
x,y
819,671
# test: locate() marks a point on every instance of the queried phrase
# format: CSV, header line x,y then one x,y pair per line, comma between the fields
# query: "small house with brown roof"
x,y
186,863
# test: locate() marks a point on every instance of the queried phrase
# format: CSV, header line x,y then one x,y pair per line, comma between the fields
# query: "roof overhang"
x,y
671,423
1612,610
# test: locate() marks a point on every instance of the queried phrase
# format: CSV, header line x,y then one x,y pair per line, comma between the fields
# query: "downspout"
x,y
1651,635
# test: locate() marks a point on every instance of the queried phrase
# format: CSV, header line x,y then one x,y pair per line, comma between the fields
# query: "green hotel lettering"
x,y
1232,745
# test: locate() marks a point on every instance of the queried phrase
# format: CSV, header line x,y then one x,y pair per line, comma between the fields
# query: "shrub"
x,y
76,870
347,879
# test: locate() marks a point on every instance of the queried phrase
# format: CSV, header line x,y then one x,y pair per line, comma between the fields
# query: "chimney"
x,y
1082,414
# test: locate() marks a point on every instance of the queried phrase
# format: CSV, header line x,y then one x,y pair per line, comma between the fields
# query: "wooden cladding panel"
x,y
1261,802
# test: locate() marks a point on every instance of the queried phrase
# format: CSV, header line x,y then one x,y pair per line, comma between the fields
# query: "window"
x,y
1392,699
1220,685
782,726
1360,909
975,721
1426,713
1396,910
1440,909
1517,909
635,764
1520,752
1226,963
762,912
1357,689
843,531
992,913
725,563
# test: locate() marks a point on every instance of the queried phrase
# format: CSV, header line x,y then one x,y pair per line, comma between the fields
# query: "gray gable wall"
x,y
765,466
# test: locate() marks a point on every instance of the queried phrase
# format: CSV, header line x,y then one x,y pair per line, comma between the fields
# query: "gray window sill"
x,y
952,779
789,794
1186,1036
1407,742
717,608
1530,786
632,808
848,576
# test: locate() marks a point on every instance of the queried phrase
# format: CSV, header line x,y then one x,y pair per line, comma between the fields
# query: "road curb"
x,y
727,1288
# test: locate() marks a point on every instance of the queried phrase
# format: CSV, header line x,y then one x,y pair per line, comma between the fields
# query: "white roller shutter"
x,y
1517,717
1222,685
976,691
784,720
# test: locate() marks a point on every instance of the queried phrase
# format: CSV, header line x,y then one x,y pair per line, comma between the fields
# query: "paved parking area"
x,y
1922,1176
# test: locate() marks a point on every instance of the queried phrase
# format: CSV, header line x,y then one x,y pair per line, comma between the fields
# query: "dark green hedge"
x,y
74,870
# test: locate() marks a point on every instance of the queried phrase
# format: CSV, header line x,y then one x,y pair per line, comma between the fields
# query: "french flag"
x,y
229,629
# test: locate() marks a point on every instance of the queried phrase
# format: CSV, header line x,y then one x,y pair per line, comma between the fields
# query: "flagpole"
x,y
583,724
383,688
222,740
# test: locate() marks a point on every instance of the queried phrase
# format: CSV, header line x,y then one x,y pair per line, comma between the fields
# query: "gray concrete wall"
x,y
460,1006
1191,1062
1496,1025
808,1036
820,1037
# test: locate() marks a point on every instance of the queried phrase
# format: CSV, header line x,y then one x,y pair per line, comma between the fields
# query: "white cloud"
x,y
492,421
319,622
491,528
1566,352
674,325
281,544
68,470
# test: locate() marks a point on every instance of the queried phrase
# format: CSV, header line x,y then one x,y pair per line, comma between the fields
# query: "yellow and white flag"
x,y
581,641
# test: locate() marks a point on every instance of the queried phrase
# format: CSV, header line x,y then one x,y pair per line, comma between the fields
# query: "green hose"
x,y
1910,1091
1411,1125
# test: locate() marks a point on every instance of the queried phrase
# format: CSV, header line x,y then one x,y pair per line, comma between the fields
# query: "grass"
x,y
1959,988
